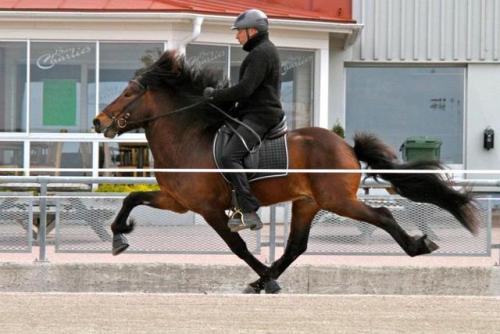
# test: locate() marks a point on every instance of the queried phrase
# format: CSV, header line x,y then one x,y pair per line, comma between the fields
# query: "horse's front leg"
x,y
120,226
218,220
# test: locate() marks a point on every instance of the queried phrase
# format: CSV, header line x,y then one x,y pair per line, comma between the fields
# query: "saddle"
x,y
272,154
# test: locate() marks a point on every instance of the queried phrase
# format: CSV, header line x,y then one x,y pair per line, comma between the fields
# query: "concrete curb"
x,y
189,278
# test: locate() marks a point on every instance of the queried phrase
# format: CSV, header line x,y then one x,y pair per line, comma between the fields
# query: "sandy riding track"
x,y
43,313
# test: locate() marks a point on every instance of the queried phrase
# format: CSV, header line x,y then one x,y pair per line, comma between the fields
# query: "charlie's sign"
x,y
59,55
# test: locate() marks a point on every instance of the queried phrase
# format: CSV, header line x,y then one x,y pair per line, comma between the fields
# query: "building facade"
x,y
424,68
62,63
396,68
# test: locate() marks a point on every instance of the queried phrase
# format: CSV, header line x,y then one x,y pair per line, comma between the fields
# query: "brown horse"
x,y
166,101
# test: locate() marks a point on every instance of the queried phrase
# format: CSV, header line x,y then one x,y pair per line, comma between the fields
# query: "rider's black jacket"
x,y
257,92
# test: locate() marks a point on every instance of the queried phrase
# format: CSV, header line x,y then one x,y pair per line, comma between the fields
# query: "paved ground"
x,y
162,313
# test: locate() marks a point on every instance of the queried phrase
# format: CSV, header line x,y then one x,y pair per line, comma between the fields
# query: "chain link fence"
x,y
83,225
16,222
333,234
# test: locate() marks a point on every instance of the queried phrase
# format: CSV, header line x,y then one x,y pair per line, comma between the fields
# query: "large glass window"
x,y
119,63
297,81
11,156
60,86
62,97
400,102
12,86
129,155
209,56
58,154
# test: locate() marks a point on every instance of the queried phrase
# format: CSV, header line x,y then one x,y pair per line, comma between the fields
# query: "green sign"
x,y
59,103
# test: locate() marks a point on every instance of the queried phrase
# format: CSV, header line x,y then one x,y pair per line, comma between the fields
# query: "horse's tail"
x,y
424,188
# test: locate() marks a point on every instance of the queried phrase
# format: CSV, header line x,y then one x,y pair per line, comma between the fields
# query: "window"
x,y
119,63
12,86
209,56
11,156
395,103
58,154
60,86
129,155
54,110
297,68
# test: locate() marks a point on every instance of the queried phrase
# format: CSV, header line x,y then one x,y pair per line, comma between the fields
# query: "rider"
x,y
258,106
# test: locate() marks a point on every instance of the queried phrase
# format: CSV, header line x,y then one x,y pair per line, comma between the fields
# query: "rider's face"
x,y
242,36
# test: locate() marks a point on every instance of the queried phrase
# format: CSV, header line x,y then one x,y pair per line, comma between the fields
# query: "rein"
x,y
170,112
122,122
237,121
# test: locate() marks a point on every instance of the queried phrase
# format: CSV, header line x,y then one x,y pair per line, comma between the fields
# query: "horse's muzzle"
x,y
97,125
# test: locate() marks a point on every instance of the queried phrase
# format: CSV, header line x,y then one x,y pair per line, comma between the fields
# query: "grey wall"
x,y
428,30
465,32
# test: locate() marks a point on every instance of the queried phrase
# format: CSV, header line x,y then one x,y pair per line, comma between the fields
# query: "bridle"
x,y
120,120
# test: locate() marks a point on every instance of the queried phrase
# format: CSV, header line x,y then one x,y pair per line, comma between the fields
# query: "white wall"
x,y
483,110
337,94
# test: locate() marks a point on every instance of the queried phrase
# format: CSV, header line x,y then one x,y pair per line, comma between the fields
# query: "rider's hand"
x,y
208,93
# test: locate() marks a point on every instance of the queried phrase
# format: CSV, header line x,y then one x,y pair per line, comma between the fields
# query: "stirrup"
x,y
237,222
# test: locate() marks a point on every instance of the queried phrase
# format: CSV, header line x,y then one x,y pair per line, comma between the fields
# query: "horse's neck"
x,y
175,145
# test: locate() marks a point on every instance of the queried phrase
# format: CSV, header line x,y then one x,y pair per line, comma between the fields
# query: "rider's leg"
x,y
232,158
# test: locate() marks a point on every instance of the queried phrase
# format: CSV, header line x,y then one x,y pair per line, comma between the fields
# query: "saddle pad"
x,y
273,154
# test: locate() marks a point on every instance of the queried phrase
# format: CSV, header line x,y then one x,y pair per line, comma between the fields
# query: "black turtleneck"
x,y
258,89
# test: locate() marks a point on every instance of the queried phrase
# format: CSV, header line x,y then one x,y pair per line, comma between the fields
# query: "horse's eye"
x,y
128,93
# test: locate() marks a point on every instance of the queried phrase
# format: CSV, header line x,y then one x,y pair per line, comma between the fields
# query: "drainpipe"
x,y
181,45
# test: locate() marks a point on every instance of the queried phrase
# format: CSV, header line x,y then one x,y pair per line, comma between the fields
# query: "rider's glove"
x,y
208,93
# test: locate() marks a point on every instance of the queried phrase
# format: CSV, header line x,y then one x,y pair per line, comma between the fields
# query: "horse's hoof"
x,y
250,290
120,244
429,245
272,287
254,287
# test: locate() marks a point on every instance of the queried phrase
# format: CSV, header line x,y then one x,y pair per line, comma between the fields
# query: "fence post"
x,y
272,233
42,228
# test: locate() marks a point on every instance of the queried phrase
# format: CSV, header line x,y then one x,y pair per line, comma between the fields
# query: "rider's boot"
x,y
242,220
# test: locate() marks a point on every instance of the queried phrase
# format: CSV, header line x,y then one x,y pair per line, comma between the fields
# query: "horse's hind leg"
x,y
303,212
382,217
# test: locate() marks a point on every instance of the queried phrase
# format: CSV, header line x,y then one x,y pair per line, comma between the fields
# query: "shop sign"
x,y
50,59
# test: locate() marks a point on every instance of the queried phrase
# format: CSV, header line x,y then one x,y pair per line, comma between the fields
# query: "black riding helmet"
x,y
252,18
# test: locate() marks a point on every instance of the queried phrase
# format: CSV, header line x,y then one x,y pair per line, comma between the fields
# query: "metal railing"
x,y
81,223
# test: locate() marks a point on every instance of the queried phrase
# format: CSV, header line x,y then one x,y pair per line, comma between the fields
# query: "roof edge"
x,y
148,15
186,10
350,30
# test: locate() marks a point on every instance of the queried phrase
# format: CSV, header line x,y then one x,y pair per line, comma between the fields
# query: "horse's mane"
x,y
186,82
172,70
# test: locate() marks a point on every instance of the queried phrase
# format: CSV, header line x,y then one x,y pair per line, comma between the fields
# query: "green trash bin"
x,y
421,148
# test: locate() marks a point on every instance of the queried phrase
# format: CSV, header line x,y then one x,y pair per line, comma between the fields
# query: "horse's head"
x,y
124,113
167,87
